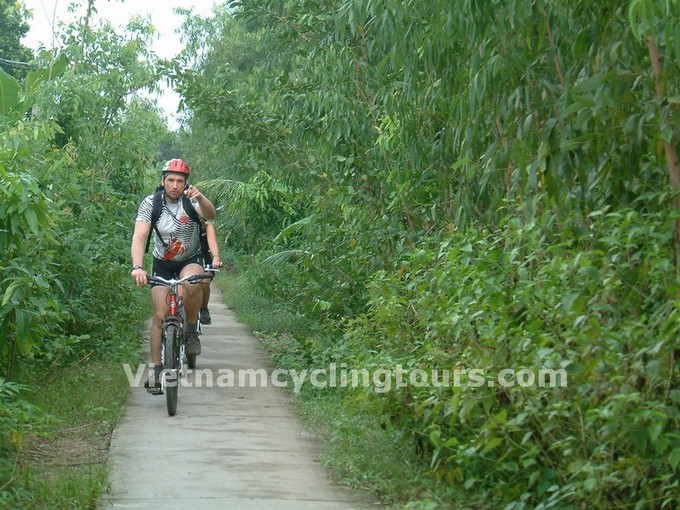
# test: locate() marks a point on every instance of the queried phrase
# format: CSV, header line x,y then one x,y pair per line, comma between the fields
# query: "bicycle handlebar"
x,y
193,278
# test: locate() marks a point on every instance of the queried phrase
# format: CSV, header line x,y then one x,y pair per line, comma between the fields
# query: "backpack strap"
x,y
157,209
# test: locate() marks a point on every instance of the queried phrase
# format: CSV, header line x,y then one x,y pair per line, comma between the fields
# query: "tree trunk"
x,y
669,145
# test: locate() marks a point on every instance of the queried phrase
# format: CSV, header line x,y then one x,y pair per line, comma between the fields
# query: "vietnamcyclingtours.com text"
x,y
382,380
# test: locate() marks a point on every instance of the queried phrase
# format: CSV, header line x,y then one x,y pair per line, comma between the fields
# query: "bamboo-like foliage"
x,y
454,106
491,182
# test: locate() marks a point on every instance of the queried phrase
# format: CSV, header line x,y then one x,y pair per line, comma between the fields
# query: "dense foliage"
x,y
461,185
76,141
443,186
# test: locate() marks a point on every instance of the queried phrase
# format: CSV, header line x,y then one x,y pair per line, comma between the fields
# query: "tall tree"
x,y
14,56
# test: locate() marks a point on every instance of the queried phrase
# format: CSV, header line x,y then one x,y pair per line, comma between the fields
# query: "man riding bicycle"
x,y
176,254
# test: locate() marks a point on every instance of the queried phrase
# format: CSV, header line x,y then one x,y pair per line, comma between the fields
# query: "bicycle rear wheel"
x,y
171,367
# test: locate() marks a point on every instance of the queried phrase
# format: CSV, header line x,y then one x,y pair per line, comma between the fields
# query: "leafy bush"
x,y
534,295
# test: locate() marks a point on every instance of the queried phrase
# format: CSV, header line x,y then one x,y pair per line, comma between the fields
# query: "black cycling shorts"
x,y
169,269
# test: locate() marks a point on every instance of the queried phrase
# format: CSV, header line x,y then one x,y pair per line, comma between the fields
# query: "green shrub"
x,y
598,303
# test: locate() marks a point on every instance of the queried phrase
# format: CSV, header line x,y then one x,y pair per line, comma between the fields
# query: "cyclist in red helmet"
x,y
176,253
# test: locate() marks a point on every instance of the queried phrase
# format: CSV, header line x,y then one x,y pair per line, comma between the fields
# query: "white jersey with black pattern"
x,y
180,235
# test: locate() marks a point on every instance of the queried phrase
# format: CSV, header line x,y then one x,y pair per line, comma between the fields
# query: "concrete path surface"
x,y
227,447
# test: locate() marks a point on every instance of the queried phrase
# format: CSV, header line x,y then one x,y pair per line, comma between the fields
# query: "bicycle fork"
x,y
172,361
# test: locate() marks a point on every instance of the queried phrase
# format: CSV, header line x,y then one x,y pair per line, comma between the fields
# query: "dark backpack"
x,y
189,208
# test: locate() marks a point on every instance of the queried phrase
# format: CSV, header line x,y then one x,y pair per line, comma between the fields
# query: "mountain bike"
x,y
173,349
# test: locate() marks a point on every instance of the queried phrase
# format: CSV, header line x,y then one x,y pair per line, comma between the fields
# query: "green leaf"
x,y
292,228
655,429
285,256
451,442
492,443
591,272
588,85
9,292
9,93
24,331
572,303
674,458
590,484
435,438
32,220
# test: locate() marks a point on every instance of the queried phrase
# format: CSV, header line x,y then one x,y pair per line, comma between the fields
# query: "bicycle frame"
x,y
173,327
177,319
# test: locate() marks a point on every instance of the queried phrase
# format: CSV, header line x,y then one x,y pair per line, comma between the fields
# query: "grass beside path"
x,y
58,459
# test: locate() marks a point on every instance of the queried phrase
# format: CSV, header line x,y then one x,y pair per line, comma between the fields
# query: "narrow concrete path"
x,y
227,447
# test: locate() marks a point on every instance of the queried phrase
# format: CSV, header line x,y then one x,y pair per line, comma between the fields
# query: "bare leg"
x,y
192,293
206,295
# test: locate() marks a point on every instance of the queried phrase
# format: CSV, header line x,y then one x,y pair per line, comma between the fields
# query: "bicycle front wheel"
x,y
171,367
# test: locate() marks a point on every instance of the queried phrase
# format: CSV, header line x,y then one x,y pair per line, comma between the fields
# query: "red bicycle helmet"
x,y
177,166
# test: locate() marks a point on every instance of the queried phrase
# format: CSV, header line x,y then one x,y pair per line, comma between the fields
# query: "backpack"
x,y
191,212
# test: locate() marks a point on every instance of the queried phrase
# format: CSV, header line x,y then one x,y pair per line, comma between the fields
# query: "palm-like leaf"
x,y
291,229
285,256
228,189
